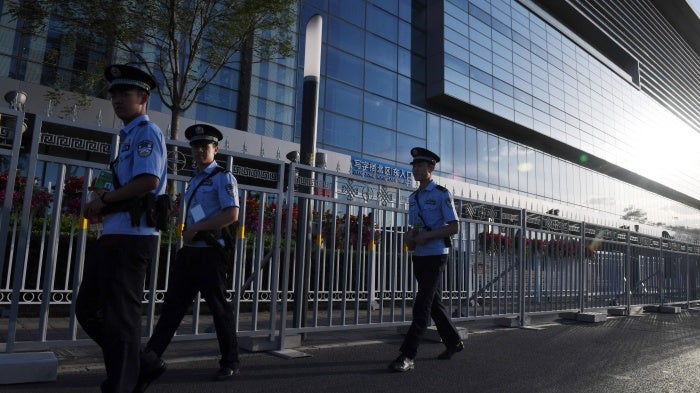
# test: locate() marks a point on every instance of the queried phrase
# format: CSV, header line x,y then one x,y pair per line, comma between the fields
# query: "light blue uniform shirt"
x,y
213,195
436,210
141,151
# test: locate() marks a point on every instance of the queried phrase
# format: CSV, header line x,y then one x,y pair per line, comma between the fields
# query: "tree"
x,y
182,44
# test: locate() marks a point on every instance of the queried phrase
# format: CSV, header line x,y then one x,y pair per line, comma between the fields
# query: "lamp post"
x,y
307,145
309,103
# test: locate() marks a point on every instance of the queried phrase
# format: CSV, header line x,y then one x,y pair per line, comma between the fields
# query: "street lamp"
x,y
307,147
309,103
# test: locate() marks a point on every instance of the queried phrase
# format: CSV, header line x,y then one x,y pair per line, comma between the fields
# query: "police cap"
x,y
127,77
203,132
421,154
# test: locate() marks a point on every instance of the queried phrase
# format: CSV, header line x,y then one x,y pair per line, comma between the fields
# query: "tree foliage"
x,y
183,44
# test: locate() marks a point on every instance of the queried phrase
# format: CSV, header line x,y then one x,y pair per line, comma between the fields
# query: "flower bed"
x,y
490,243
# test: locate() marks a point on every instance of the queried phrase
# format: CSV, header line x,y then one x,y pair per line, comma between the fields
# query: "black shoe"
x,y
226,372
447,353
402,363
152,367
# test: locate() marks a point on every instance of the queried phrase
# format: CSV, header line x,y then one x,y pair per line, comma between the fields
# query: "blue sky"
x,y
695,4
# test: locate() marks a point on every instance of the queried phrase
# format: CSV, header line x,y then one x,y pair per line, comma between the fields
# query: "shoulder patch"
x,y
441,188
145,148
231,190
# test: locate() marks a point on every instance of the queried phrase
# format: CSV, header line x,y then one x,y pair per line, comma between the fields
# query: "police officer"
x,y
108,306
434,220
212,204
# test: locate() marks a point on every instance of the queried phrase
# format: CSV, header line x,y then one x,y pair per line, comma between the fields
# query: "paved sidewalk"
x,y
86,357
83,356
651,352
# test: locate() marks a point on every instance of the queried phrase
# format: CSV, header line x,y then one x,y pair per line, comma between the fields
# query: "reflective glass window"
x,y
547,176
388,5
539,173
577,185
502,56
382,23
345,67
405,9
411,121
404,89
455,37
380,111
479,31
456,51
381,51
353,11
504,87
379,142
556,179
504,75
433,139
501,28
344,99
404,144
501,7
446,146
502,41
217,115
523,168
471,156
342,131
513,173
405,34
380,81
347,37
404,62
493,157
459,149
482,147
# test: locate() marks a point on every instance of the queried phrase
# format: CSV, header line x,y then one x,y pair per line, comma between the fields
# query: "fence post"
x,y
521,264
24,238
628,274
52,254
582,267
687,280
662,273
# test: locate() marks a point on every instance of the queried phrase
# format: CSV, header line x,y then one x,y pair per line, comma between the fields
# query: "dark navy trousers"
x,y
428,271
109,302
197,270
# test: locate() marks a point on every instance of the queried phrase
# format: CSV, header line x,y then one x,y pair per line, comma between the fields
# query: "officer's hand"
x,y
188,235
408,239
94,207
420,237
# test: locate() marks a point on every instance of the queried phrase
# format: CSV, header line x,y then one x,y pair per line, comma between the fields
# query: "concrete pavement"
x,y
651,352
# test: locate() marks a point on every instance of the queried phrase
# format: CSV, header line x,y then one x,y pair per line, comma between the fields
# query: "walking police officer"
x,y
200,266
108,305
434,220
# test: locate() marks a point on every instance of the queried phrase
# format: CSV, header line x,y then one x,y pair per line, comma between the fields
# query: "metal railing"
x,y
322,251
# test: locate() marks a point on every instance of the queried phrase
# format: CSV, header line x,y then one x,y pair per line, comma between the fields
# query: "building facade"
x,y
586,107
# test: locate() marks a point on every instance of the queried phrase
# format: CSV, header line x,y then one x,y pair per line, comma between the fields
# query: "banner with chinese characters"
x,y
380,171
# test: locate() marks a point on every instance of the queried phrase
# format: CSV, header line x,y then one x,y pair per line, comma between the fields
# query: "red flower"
x,y
41,198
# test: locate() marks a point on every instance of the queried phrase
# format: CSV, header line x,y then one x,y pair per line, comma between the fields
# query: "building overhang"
x,y
684,18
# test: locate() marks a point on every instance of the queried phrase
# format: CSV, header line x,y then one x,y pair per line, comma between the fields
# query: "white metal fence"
x,y
334,238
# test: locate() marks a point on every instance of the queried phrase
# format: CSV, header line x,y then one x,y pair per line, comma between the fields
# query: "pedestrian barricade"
x,y
316,249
